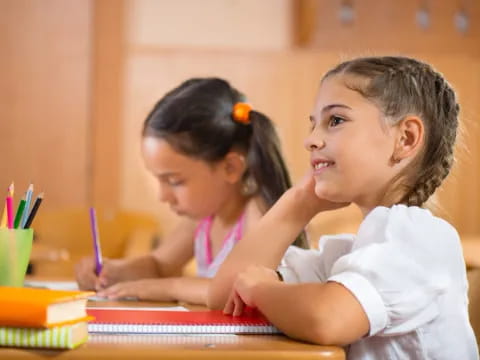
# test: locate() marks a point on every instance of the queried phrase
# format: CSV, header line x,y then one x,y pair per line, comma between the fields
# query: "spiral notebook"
x,y
150,321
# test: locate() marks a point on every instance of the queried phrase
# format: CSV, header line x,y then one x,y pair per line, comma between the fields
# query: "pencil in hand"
x,y
96,242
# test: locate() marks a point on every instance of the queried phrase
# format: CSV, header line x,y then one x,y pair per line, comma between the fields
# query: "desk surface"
x,y
108,346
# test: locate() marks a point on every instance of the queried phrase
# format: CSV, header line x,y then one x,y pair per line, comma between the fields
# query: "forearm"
x,y
191,290
140,267
264,245
182,289
321,313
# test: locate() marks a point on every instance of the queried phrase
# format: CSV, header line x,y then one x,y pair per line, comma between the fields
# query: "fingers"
x,y
101,283
238,305
104,279
85,274
229,306
116,291
234,305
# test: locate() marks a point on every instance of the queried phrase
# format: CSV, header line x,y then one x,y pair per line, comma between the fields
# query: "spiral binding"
x,y
181,329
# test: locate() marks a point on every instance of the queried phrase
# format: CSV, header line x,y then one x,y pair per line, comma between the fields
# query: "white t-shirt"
x,y
406,268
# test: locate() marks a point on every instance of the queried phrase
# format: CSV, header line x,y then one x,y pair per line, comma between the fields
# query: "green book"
x,y
58,337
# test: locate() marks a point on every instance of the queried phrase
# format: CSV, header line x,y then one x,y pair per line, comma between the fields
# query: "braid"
x,y
427,183
438,157
403,86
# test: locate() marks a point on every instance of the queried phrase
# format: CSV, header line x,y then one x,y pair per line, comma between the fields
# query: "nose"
x,y
313,142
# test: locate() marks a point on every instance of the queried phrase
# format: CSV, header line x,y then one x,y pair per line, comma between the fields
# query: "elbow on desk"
x,y
318,330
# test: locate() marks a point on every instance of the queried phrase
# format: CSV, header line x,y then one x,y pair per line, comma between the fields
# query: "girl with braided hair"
x,y
382,135
219,166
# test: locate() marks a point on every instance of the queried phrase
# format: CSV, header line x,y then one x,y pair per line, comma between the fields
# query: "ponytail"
x,y
266,165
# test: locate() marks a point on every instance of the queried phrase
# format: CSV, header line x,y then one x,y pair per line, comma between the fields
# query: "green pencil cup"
x,y
15,249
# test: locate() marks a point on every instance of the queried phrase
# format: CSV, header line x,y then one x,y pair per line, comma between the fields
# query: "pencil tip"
x,y
11,189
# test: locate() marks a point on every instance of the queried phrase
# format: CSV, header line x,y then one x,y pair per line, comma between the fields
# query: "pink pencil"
x,y
10,191
9,204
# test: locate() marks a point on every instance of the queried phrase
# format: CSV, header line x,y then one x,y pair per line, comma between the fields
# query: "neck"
x,y
231,209
386,198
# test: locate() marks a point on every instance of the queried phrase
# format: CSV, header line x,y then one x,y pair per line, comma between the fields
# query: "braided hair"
x,y
401,86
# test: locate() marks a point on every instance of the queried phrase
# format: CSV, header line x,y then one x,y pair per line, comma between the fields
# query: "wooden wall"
x,y
79,77
282,83
44,98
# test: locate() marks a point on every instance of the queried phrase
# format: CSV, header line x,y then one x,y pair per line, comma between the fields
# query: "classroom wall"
x,y
79,77
282,83
44,98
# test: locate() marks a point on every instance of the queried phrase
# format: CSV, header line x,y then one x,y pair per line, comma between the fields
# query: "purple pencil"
x,y
96,241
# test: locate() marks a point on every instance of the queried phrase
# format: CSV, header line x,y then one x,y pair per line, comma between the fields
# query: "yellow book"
x,y
57,337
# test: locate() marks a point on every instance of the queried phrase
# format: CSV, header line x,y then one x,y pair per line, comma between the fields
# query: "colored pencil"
x,y
28,200
96,241
32,214
10,192
19,214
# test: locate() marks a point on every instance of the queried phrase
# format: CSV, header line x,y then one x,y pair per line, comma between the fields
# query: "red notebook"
x,y
137,321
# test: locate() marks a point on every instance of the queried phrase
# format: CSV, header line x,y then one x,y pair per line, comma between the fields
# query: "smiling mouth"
x,y
322,165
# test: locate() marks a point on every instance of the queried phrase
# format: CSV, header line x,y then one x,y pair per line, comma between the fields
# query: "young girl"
x,y
218,165
382,136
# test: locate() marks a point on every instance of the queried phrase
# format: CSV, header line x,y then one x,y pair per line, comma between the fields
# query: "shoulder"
x,y
405,222
409,229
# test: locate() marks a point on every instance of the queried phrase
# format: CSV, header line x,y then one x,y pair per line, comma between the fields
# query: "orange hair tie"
x,y
241,113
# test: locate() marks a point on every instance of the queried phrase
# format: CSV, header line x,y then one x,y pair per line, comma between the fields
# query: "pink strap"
x,y
208,243
237,230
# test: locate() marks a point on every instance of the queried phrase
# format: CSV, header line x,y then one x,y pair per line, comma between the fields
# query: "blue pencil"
x,y
26,210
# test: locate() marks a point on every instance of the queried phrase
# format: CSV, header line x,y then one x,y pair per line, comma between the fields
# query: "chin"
x,y
325,193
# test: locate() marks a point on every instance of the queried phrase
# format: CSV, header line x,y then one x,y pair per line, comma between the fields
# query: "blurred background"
x,y
77,79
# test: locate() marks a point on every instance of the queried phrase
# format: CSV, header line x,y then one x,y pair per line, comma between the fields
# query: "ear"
x,y
409,139
234,166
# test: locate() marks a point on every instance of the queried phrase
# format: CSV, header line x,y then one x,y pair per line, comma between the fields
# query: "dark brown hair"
x,y
402,86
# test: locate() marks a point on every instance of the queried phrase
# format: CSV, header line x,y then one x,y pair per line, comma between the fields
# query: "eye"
x,y
175,182
171,181
335,120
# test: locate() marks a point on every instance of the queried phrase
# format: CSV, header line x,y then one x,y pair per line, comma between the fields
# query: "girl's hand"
x,y
145,289
85,273
87,279
113,271
243,287
305,193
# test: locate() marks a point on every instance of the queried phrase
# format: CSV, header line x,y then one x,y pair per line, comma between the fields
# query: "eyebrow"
x,y
330,107
167,174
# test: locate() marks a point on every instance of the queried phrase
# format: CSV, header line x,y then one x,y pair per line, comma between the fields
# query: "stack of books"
x,y
43,318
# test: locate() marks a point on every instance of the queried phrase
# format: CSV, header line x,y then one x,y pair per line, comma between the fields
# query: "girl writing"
x,y
219,166
382,136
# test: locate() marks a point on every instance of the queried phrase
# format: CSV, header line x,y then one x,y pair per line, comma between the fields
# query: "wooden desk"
x,y
107,346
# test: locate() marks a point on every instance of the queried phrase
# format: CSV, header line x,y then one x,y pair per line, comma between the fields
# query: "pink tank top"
x,y
207,266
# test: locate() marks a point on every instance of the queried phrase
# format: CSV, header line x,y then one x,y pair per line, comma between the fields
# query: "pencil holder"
x,y
15,249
